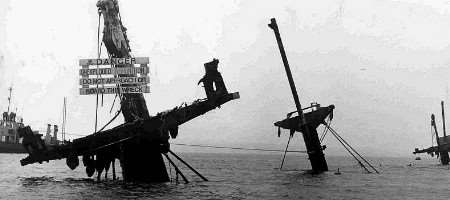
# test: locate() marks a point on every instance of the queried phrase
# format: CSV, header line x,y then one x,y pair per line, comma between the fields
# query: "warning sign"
x,y
114,90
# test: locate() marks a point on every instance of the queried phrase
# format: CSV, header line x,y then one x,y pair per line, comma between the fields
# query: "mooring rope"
x,y
234,148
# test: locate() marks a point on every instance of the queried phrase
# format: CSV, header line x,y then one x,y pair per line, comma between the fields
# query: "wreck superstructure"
x,y
442,143
306,123
142,140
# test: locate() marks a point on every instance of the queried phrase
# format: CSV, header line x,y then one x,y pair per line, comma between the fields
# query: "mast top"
x,y
9,98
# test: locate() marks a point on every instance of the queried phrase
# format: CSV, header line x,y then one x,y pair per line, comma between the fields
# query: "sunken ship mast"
x,y
442,143
306,123
141,141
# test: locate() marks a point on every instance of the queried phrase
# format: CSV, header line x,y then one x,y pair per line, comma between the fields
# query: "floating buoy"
x,y
338,172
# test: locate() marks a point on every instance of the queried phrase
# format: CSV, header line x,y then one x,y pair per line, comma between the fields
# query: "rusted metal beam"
x,y
144,128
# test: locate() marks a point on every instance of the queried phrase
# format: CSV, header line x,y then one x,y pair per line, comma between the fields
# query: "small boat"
x,y
418,158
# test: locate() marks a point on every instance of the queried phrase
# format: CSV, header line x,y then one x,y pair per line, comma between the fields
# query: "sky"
x,y
384,64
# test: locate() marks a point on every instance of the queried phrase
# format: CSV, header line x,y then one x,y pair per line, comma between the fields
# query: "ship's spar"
x,y
141,141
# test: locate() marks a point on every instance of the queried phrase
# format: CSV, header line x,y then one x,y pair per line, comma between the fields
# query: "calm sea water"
x,y
235,176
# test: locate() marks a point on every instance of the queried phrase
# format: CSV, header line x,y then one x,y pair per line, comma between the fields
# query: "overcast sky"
x,y
384,65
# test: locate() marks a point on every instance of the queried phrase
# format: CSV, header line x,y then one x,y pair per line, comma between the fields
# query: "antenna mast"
x,y
63,128
9,98
443,119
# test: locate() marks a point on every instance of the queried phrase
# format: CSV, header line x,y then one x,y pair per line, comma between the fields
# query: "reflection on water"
x,y
36,181
235,176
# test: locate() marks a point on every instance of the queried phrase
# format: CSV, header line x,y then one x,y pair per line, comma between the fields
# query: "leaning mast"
x,y
310,136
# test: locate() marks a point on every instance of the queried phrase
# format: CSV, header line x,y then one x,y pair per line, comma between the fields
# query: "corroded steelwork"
x,y
140,141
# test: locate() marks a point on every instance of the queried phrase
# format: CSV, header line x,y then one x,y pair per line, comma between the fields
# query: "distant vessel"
x,y
10,141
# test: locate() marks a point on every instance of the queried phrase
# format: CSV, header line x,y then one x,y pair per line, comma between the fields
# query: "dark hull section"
x,y
11,148
313,119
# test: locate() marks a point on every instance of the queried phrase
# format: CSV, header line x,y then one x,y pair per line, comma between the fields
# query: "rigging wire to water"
x,y
350,152
345,144
325,131
285,151
98,57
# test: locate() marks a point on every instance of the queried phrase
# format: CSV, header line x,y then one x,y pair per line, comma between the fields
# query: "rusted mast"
x,y
141,159
444,154
443,119
440,151
310,136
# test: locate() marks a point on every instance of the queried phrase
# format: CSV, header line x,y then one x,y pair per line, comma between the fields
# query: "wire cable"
x,y
98,57
234,148
367,162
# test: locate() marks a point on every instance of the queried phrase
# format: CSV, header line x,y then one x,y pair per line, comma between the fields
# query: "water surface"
x,y
235,176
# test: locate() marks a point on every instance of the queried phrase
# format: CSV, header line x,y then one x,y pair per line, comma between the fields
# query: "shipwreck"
x,y
442,143
142,140
308,120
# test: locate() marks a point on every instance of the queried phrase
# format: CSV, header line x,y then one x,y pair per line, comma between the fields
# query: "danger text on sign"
x,y
114,90
115,71
114,61
117,80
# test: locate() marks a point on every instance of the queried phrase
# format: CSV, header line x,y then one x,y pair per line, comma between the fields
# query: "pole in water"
x,y
443,119
176,169
444,154
285,151
338,172
191,168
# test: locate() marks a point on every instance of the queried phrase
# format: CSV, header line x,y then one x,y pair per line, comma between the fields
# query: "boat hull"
x,y
11,148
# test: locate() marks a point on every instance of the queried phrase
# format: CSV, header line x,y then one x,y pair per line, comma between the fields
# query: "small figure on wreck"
x,y
213,78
